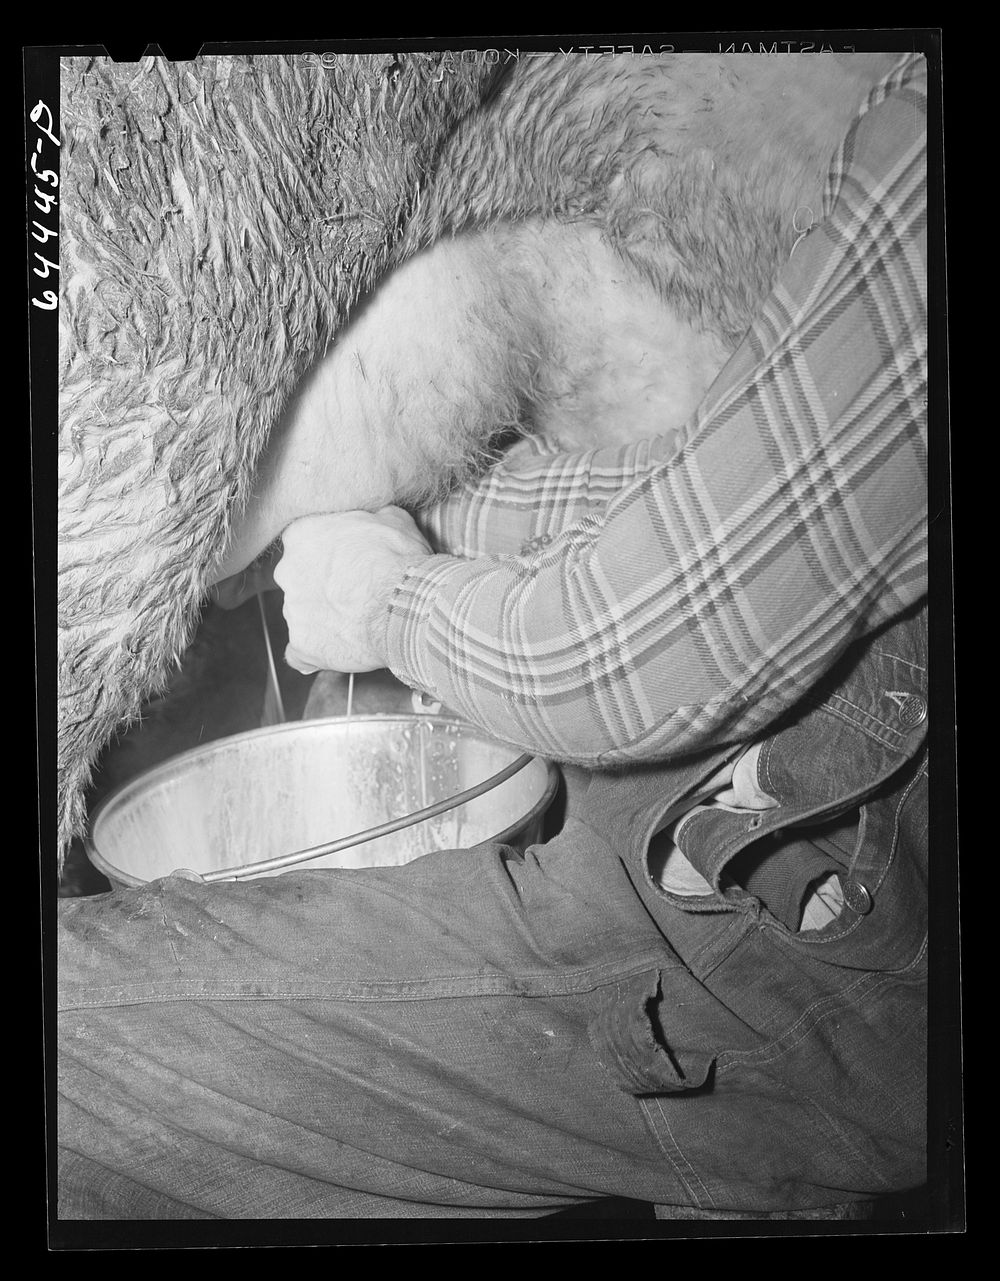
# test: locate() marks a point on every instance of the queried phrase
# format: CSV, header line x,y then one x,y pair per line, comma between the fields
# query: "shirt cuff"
x,y
408,616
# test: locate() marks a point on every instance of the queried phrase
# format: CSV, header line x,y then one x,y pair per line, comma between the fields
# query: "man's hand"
x,y
338,573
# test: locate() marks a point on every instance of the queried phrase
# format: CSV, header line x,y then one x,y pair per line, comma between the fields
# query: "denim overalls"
x,y
487,1032
799,1056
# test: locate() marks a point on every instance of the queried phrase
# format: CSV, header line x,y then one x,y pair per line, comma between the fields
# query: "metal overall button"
x,y
911,709
857,898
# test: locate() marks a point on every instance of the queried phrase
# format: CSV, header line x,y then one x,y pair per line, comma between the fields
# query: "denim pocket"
x,y
630,1044
882,847
791,867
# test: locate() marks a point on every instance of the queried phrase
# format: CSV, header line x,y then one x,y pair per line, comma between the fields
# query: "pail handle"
x,y
372,833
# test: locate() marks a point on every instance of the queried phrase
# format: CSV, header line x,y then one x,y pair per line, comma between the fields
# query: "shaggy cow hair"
x,y
218,222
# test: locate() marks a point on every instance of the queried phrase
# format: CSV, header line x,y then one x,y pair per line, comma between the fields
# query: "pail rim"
x,y
175,764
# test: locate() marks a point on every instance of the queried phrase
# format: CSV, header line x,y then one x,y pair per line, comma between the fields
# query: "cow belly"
x,y
664,198
538,327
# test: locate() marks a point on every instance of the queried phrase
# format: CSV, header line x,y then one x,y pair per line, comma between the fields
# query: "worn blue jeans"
x,y
484,1033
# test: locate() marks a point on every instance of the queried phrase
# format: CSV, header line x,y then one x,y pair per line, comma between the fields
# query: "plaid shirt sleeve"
x,y
686,592
534,493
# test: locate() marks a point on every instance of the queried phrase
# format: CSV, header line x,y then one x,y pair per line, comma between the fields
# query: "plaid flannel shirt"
x,y
649,601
